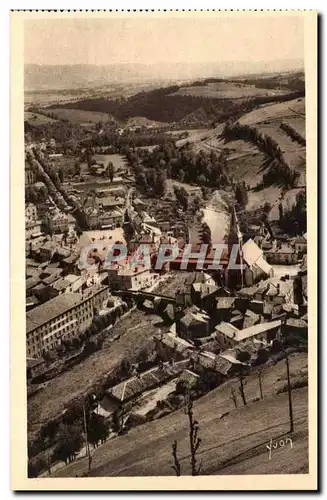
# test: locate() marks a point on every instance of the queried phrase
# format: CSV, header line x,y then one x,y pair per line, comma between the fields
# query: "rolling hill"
x,y
209,100
245,160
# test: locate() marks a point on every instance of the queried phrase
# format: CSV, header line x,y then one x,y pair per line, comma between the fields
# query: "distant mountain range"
x,y
48,77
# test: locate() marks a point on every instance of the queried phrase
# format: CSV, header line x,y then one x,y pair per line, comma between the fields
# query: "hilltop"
x,y
211,99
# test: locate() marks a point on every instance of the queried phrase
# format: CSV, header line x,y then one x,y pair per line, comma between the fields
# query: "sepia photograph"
x,y
164,186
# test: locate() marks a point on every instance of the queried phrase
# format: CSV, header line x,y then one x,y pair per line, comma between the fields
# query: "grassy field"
x,y
233,439
79,116
280,111
228,90
37,119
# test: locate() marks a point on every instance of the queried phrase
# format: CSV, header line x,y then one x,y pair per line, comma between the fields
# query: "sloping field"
x,y
141,121
228,90
293,152
245,160
37,119
233,440
298,123
135,329
282,110
79,116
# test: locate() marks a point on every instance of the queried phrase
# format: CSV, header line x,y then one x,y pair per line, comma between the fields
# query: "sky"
x,y
148,41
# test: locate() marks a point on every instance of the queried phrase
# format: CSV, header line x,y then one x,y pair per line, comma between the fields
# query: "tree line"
x,y
275,168
168,161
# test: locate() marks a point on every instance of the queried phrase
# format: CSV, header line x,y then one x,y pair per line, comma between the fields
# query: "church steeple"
x,y
234,277
234,236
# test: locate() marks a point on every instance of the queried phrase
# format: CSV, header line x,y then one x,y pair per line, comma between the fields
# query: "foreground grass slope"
x,y
233,440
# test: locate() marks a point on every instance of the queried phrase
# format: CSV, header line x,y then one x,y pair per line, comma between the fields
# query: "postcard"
x,y
164,250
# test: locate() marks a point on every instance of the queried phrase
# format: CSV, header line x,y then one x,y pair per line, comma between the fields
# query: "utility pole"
x,y
86,438
290,405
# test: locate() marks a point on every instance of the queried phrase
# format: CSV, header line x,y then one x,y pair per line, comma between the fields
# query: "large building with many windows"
x,y
63,317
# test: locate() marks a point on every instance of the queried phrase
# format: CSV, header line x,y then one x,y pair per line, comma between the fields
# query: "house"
x,y
58,222
206,295
111,202
31,212
300,244
274,290
256,266
282,254
70,264
30,175
295,326
92,217
70,283
114,218
169,345
245,320
124,276
35,367
32,229
229,336
31,302
195,323
30,283
131,389
204,361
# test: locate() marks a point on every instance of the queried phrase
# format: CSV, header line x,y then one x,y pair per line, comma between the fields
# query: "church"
x,y
248,257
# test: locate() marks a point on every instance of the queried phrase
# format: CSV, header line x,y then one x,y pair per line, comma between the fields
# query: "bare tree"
x,y
233,396
241,387
260,383
177,465
195,441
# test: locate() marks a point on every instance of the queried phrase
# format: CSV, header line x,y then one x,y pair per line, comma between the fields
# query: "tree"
x,y
143,356
197,203
117,420
125,367
35,467
160,180
70,441
177,465
181,197
77,168
194,441
267,207
241,387
181,175
233,396
110,171
206,233
98,431
61,174
241,195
